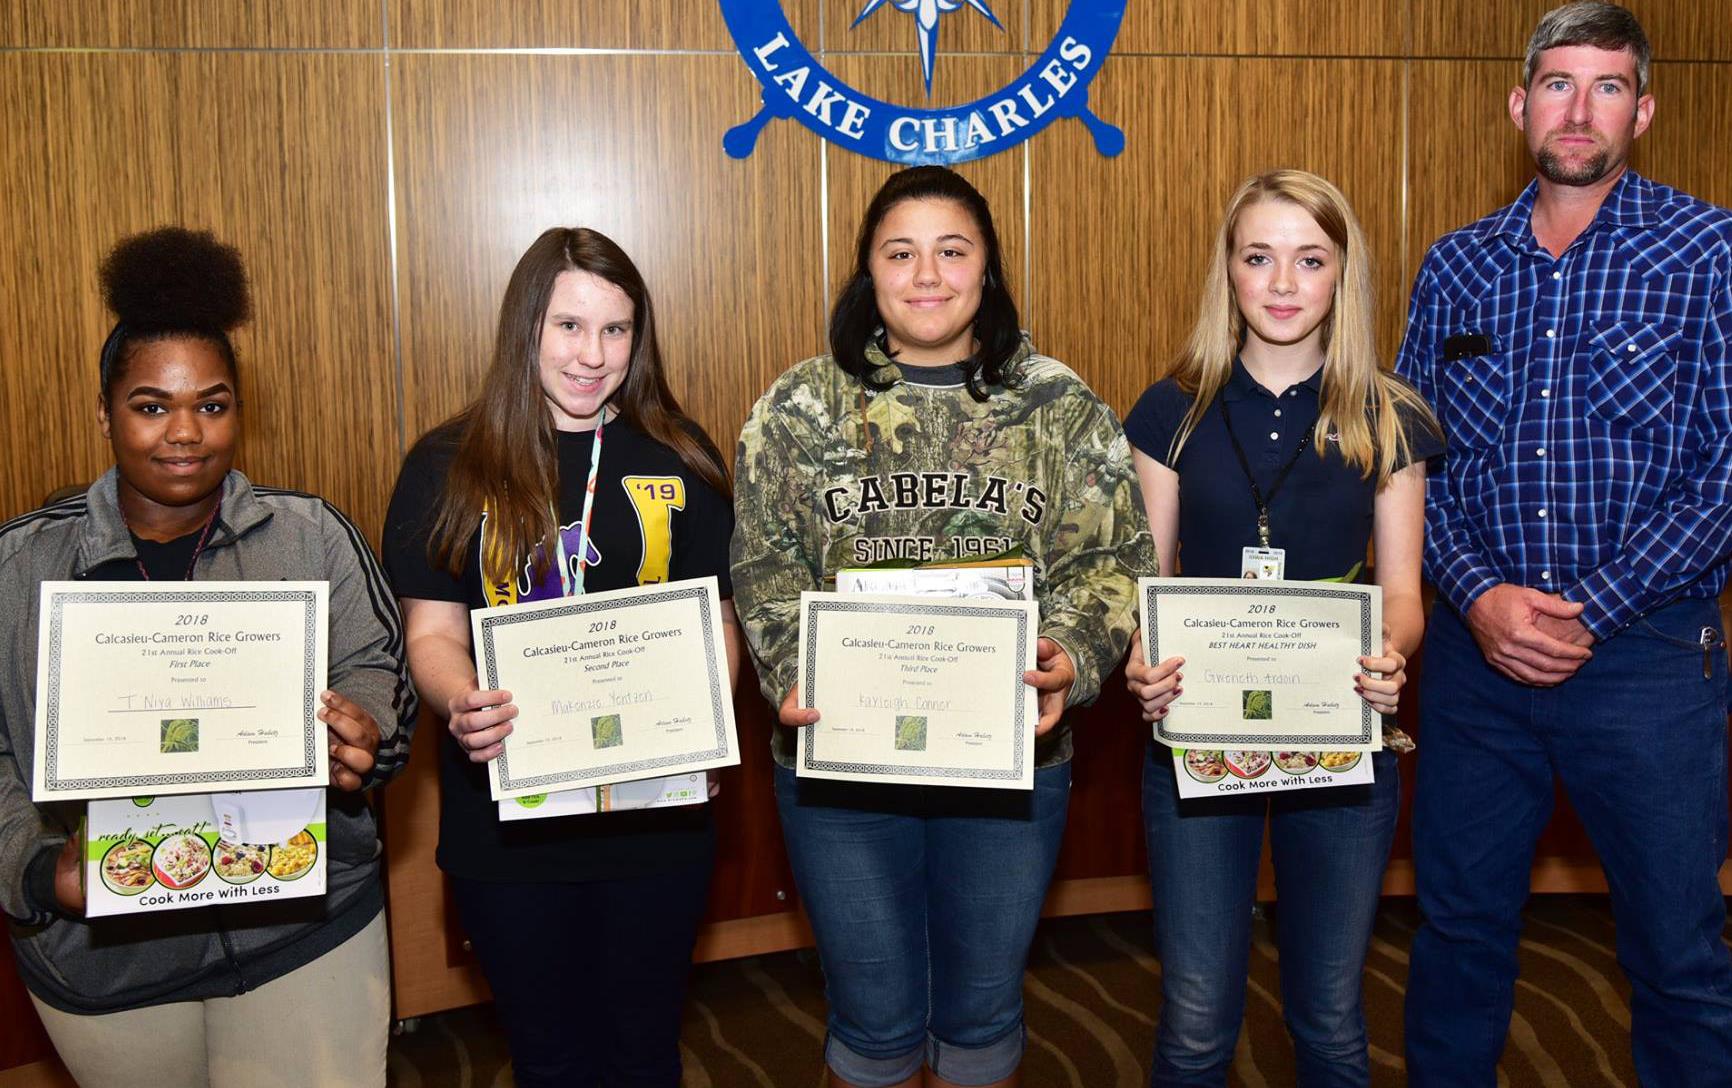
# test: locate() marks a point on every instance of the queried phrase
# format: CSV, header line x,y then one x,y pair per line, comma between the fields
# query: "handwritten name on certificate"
x,y
179,687
918,689
1268,664
610,687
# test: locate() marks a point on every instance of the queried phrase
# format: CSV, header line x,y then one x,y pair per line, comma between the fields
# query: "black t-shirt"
x,y
655,520
165,561
1322,513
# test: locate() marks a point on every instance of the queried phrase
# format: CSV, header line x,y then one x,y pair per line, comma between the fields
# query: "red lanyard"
x,y
198,549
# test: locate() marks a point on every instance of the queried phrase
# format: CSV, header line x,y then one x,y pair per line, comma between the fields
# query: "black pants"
x,y
589,978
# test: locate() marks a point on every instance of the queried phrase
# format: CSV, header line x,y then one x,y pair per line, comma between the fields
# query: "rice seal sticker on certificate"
x,y
615,686
918,690
179,687
1269,665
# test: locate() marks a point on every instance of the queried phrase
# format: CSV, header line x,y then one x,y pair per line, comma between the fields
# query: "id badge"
x,y
1263,563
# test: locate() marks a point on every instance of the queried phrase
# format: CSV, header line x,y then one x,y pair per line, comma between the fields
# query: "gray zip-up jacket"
x,y
109,964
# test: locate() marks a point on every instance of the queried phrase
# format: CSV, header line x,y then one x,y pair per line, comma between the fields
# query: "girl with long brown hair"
x,y
583,925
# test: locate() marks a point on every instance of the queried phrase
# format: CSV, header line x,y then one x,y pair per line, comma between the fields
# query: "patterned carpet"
x,y
1093,991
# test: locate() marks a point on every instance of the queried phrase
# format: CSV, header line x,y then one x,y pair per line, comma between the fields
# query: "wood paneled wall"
x,y
382,162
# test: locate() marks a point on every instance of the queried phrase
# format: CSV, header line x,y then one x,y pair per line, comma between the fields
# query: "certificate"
x,y
918,690
1269,665
626,684
164,688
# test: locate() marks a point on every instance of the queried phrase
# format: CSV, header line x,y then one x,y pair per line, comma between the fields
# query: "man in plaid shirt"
x,y
1575,346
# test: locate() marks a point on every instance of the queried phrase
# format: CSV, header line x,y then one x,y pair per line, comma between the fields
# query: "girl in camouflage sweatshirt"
x,y
924,899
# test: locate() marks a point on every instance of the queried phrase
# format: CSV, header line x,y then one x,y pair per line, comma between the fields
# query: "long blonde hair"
x,y
1363,405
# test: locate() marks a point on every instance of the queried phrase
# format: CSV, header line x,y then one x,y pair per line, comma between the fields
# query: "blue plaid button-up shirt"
x,y
1587,402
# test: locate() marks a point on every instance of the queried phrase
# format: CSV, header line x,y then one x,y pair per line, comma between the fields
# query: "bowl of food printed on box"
x,y
240,862
293,859
1338,761
126,867
1247,764
1205,764
181,860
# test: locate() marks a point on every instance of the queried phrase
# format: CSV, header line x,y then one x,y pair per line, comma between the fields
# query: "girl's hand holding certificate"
x,y
792,714
481,720
68,873
1052,677
354,737
1382,691
1154,686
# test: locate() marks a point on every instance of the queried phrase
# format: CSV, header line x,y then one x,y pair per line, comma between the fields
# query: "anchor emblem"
x,y
797,86
926,13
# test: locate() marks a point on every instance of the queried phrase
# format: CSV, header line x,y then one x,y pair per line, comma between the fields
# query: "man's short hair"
x,y
1590,22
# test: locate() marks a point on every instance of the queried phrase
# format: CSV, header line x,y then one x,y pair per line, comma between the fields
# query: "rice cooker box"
x,y
168,853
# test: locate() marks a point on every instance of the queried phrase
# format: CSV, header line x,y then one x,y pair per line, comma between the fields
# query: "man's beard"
x,y
1561,170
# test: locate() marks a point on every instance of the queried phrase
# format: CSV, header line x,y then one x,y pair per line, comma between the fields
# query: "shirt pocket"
x,y
1634,370
1474,395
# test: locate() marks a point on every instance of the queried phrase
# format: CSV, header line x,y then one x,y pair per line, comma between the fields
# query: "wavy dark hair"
x,y
167,284
507,461
854,321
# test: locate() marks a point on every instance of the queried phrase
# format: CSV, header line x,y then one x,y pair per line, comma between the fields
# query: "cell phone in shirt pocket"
x,y
1465,345
1473,388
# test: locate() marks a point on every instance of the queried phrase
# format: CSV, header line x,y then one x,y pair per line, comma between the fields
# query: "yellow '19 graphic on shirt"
x,y
655,498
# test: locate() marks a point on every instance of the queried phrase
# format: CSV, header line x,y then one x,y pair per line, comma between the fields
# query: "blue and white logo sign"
x,y
796,86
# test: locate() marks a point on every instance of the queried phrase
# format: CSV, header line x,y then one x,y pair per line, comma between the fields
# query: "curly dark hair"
x,y
171,283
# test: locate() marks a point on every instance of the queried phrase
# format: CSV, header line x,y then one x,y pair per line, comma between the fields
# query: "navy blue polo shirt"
x,y
1322,513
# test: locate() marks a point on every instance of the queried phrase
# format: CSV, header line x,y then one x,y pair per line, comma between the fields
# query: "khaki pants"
x,y
325,1024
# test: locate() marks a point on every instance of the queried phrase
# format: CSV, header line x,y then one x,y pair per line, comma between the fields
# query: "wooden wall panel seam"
x,y
392,235
824,231
1025,305
395,267
1404,202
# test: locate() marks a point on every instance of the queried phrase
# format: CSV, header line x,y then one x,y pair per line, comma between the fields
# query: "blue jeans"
x,y
1638,738
924,901
1330,847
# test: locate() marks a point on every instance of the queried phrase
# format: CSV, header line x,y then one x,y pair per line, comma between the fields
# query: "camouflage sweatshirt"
x,y
832,475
